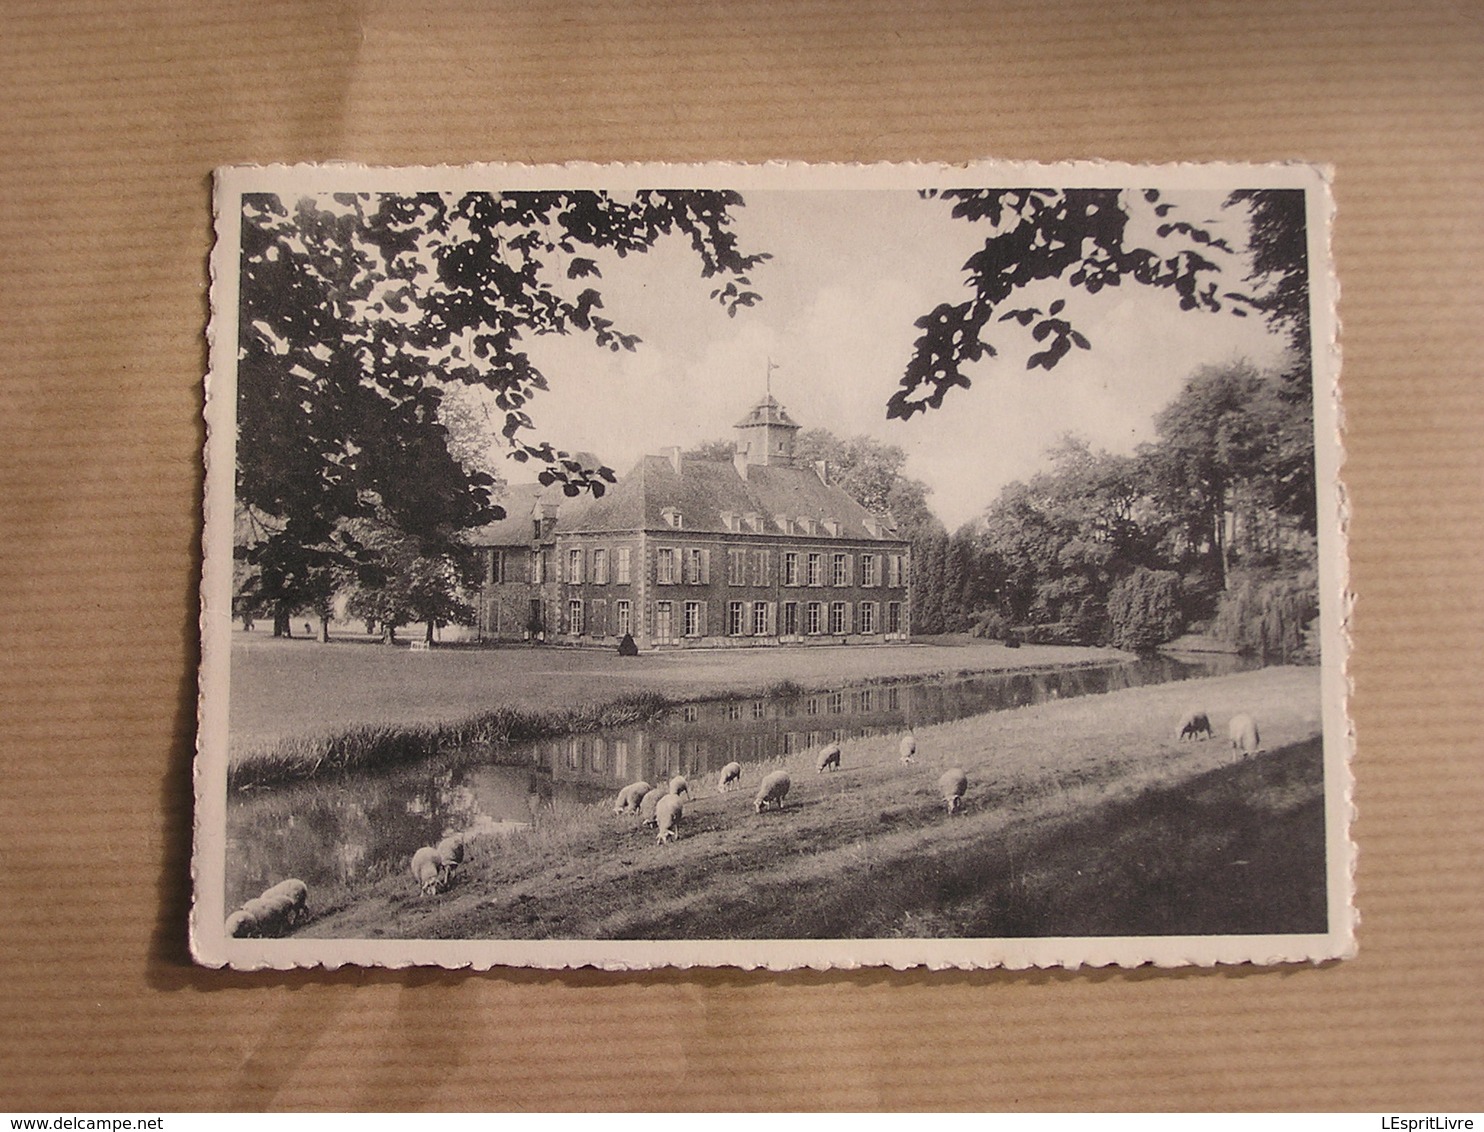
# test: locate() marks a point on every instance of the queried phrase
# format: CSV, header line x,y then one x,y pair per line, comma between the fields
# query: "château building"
x,y
759,550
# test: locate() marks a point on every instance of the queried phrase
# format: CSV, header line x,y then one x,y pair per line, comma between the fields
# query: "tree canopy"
x,y
359,312
1087,239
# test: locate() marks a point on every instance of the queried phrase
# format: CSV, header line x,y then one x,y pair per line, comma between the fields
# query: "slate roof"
x,y
707,488
519,501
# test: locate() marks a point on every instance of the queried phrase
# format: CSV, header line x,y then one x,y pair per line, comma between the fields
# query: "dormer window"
x,y
785,524
673,517
806,525
832,528
730,519
752,521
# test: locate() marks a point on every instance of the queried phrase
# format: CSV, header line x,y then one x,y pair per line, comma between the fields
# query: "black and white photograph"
x,y
773,566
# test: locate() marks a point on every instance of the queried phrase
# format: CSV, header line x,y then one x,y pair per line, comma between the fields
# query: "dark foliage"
x,y
1144,609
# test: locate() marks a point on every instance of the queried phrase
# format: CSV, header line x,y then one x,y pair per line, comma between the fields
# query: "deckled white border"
x,y
208,864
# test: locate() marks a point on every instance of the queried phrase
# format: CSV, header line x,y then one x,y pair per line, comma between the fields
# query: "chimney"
x,y
823,468
673,455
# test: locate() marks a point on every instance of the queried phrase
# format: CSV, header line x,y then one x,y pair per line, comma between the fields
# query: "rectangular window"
x,y
621,619
664,625
790,626
495,570
621,567
813,615
693,619
574,567
538,567
574,617
760,618
762,568
664,567
816,570
837,618
734,619
790,568
870,570
894,571
692,566
600,567
597,618
868,617
840,571
893,617
736,567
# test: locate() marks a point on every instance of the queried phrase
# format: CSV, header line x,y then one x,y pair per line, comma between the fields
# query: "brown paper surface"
x,y
113,117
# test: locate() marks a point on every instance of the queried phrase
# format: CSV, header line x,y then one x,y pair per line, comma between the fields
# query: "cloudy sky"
x,y
851,271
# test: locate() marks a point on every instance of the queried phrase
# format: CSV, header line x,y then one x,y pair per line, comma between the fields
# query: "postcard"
x,y
773,566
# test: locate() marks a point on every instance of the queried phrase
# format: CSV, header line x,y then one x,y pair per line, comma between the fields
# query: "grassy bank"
x,y
1083,817
376,747
563,701
297,689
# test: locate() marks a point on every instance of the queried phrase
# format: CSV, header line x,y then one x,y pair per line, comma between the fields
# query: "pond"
x,y
353,828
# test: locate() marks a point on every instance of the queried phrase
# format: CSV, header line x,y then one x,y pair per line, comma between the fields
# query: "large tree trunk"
x,y
281,626
324,630
429,637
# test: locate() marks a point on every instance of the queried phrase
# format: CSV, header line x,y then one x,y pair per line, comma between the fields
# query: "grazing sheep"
x,y
451,849
629,796
909,749
297,894
679,787
1243,732
429,869
951,784
269,915
1195,725
649,802
773,788
277,912
731,777
667,817
829,758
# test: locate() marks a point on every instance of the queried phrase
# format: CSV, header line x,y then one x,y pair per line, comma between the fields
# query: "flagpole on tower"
x,y
768,379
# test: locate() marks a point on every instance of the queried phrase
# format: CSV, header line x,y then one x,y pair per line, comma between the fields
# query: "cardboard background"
x,y
111,118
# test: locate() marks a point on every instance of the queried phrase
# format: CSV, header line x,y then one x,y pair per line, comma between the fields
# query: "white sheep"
x,y
731,777
1244,737
277,912
951,784
1194,725
430,870
629,796
268,916
297,894
451,849
773,788
667,815
240,925
828,759
908,747
679,787
649,802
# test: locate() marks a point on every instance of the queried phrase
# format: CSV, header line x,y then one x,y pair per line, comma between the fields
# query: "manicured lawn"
x,y
293,688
